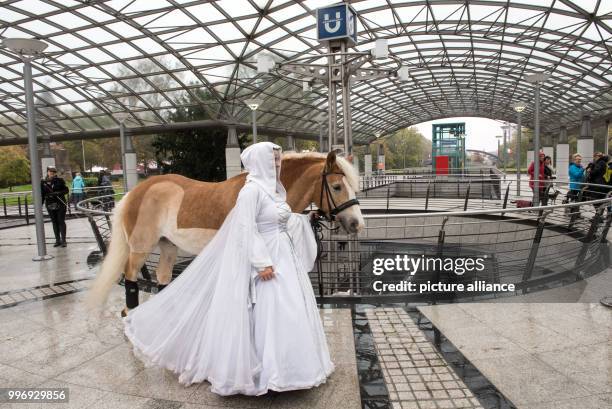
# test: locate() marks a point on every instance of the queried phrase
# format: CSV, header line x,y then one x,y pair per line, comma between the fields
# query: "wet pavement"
x,y
533,353
18,246
538,355
47,340
51,343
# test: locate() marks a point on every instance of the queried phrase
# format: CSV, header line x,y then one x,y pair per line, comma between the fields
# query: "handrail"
x,y
86,188
530,250
441,213
80,206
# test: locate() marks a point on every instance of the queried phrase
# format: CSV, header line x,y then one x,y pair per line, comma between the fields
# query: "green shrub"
x,y
89,182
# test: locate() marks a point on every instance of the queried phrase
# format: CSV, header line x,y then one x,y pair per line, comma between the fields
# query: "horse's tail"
x,y
114,261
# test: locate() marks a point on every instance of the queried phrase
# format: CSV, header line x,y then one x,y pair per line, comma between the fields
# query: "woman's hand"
x,y
267,273
313,215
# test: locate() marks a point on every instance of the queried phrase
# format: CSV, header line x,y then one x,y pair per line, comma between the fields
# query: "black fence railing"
x,y
531,248
17,208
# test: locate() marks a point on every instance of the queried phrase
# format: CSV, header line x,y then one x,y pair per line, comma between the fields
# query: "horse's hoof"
x,y
124,312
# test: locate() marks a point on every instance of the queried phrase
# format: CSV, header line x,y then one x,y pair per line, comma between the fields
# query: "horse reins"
x,y
317,226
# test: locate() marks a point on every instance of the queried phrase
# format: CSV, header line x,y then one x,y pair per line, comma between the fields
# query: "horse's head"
x,y
335,193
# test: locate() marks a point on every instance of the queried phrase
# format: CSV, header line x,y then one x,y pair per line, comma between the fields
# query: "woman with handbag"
x,y
54,192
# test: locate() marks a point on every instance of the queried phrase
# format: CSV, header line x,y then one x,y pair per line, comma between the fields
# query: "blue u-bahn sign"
x,y
337,22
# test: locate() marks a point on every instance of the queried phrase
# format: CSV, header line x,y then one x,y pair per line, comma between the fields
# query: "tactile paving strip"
x,y
417,376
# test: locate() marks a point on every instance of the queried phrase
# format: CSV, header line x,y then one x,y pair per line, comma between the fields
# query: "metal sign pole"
x,y
254,116
536,147
518,157
346,101
331,103
122,139
35,171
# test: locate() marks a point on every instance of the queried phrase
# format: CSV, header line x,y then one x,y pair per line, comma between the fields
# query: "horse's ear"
x,y
330,161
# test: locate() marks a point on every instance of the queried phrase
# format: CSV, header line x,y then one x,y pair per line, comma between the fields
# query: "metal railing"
x,y
17,208
373,180
429,171
533,248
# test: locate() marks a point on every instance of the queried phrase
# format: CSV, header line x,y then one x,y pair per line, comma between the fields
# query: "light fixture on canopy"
x,y
254,104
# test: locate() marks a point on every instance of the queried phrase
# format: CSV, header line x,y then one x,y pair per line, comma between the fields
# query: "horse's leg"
x,y
134,264
167,258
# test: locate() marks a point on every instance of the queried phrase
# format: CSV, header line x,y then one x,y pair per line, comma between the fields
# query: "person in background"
x,y
548,169
106,190
549,176
78,186
595,175
54,192
541,178
576,176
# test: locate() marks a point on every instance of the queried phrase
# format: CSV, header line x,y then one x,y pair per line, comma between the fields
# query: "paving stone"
x,y
427,381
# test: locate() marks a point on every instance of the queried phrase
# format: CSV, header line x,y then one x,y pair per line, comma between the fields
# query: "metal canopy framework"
x,y
466,58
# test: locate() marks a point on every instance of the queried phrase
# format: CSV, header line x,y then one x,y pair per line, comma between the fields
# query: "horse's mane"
x,y
345,166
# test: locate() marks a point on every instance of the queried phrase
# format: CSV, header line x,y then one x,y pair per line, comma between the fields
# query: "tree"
x,y
406,148
195,153
526,136
14,166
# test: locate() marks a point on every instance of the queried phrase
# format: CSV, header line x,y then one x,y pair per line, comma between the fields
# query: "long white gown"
x,y
288,332
219,322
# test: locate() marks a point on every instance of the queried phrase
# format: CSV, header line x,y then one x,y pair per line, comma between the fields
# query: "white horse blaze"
x,y
353,211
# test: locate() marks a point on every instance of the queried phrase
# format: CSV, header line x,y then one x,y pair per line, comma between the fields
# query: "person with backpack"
x,y
106,191
597,175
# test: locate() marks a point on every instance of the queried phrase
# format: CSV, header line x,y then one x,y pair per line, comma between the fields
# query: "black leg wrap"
x,y
131,294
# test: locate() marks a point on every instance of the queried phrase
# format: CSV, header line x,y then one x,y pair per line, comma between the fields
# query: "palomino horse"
x,y
172,212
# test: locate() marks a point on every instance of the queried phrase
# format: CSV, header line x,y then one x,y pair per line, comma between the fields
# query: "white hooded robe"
x,y
219,322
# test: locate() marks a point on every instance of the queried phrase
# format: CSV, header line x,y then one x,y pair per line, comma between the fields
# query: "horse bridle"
x,y
330,199
317,226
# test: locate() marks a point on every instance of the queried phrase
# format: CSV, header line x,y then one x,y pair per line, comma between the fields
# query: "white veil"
x,y
258,159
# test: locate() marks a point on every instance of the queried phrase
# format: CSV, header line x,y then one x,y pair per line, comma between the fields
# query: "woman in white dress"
x,y
243,314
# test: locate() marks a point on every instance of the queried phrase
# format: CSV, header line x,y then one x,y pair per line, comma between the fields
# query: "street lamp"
x,y
121,117
253,104
321,118
505,129
499,138
519,107
28,49
537,79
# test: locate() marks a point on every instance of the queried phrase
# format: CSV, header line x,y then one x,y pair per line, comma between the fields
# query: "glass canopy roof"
x,y
466,58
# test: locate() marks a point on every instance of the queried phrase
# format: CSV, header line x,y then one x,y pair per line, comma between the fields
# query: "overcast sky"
x,y
480,132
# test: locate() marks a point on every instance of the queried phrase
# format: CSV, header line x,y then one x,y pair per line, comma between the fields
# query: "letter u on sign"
x,y
332,26
337,22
